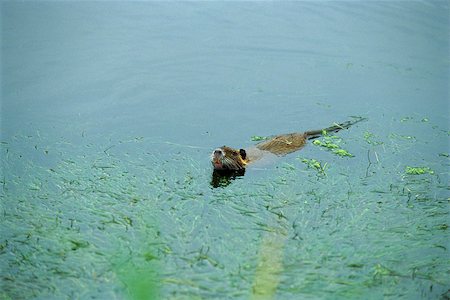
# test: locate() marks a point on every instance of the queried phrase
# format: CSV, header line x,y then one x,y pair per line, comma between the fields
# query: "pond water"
x,y
110,111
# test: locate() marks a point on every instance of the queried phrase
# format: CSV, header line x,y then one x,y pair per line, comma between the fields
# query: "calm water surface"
x,y
109,113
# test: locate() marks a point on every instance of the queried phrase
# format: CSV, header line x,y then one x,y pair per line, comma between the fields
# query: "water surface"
x,y
109,113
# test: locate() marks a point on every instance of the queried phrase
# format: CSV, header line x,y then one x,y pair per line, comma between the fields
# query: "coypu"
x,y
228,159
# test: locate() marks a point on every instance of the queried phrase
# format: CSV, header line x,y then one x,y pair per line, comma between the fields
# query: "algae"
x,y
418,170
258,138
332,144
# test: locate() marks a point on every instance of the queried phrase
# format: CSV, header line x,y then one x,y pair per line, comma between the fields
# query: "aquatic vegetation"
x,y
415,119
258,138
326,144
380,270
371,138
332,143
418,170
315,164
94,208
395,136
110,112
406,119
342,152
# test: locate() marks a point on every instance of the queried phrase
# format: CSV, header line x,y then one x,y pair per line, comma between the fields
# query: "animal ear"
x,y
243,153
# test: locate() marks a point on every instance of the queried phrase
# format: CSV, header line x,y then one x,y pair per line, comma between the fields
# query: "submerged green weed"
x,y
418,170
342,152
370,138
315,164
405,119
326,144
395,136
380,271
258,138
409,118
331,143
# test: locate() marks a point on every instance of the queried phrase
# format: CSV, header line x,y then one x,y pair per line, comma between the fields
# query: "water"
x,y
109,113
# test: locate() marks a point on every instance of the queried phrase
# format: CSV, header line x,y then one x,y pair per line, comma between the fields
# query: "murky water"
x,y
110,111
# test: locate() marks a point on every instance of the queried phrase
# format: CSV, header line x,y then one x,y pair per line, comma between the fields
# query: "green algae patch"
x,y
332,144
326,144
380,271
418,170
258,138
342,152
78,244
371,138
315,165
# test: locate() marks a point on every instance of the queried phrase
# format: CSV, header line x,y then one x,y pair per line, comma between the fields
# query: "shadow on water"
x,y
222,178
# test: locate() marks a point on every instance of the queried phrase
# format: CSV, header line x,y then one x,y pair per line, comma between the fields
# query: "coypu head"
x,y
226,158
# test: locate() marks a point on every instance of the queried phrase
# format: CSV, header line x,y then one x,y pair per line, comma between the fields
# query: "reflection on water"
x,y
109,113
270,265
222,178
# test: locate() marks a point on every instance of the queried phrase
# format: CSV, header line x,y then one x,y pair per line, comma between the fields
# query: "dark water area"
x,y
110,111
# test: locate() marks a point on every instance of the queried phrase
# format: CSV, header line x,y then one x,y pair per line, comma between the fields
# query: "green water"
x,y
115,220
110,112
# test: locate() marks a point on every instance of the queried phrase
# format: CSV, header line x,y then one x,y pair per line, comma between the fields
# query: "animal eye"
x,y
243,153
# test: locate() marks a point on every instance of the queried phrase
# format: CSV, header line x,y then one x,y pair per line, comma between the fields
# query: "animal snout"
x,y
218,153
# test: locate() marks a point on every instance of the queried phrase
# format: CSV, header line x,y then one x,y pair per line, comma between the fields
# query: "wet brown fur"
x,y
233,159
284,144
